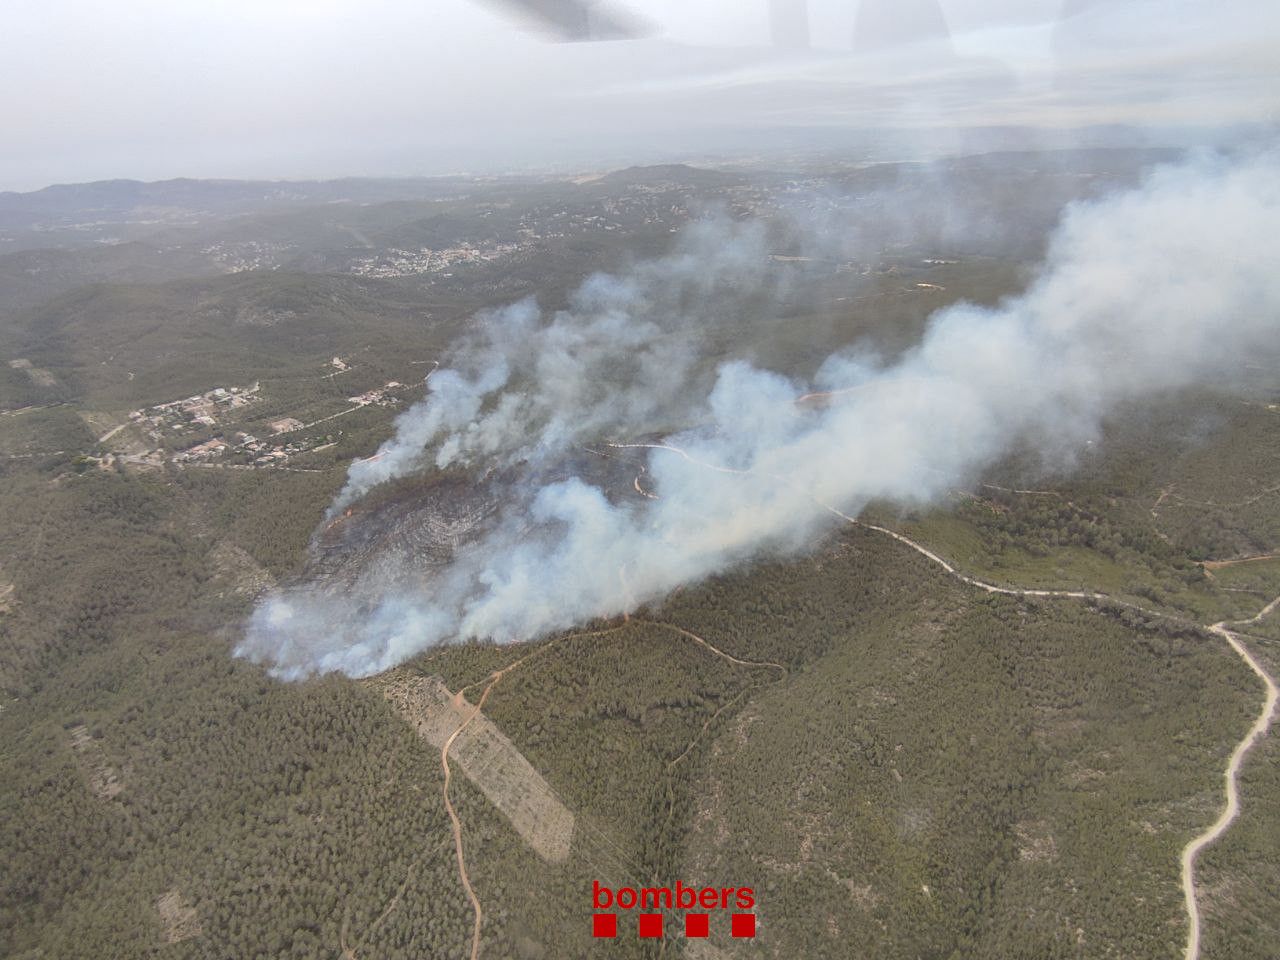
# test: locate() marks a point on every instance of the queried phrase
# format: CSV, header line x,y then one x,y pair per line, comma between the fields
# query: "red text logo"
x,y
698,905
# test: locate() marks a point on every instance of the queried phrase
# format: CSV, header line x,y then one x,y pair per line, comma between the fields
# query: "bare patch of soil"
x,y
180,920
487,758
104,779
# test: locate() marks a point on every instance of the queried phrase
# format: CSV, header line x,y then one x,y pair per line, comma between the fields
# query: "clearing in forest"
x,y
38,376
181,922
235,566
487,758
104,781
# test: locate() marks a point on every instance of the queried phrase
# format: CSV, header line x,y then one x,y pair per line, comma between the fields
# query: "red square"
x,y
650,924
604,925
697,925
743,925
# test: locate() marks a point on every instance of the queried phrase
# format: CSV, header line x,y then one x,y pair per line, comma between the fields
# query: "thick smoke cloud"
x,y
1170,284
621,357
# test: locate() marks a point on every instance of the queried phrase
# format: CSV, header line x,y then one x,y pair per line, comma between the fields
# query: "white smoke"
x,y
621,357
1170,284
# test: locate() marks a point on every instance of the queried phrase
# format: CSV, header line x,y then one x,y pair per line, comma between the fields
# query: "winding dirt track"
x,y
457,825
493,679
1230,777
1219,564
713,648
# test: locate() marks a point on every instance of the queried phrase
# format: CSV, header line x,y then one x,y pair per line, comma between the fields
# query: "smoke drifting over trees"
x,y
1167,285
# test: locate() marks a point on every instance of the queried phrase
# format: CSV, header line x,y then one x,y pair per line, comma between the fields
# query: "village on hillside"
x,y
218,428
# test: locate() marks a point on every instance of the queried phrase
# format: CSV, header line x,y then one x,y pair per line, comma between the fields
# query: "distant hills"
x,y
128,199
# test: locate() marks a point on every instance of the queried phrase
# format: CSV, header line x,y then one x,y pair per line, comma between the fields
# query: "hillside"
x,y
981,727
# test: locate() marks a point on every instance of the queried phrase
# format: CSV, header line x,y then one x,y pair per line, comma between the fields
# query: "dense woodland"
x,y
906,766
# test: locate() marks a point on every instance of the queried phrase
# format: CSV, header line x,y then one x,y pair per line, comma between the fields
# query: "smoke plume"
x,y
1170,284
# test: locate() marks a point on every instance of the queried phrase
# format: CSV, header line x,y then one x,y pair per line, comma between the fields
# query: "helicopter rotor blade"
x,y
578,20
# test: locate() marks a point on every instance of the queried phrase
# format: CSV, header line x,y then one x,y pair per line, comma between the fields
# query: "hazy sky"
x,y
287,88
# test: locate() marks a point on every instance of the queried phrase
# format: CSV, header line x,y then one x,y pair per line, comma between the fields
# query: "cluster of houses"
x,y
264,452
201,451
205,410
208,410
378,395
395,262
202,410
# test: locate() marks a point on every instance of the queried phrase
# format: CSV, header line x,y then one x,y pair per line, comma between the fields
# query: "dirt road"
x,y
493,680
1230,779
1232,773
457,826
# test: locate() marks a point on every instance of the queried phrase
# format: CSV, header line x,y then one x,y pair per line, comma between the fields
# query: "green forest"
x,y
900,764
